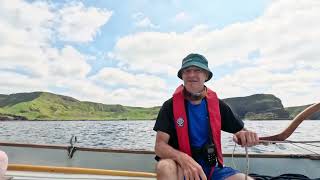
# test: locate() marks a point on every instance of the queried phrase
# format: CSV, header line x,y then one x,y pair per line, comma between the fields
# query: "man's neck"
x,y
195,98
195,102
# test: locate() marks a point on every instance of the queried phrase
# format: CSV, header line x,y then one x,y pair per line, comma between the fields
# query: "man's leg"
x,y
228,173
168,169
3,163
239,176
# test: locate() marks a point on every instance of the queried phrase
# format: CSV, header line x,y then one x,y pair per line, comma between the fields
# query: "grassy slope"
x,y
48,106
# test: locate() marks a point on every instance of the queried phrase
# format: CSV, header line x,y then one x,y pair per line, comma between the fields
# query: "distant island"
x,y
49,106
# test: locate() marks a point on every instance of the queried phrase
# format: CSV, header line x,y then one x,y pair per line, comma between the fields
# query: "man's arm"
x,y
233,124
191,169
163,149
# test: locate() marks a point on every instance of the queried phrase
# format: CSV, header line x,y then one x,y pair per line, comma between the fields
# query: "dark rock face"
x,y
7,117
258,106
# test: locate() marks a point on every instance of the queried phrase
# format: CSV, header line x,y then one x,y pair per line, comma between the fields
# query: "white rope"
x,y
232,157
247,159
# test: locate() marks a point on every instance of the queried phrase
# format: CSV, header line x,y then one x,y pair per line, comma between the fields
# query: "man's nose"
x,y
192,72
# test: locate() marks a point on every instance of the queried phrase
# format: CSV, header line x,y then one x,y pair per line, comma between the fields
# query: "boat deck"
x,y
28,175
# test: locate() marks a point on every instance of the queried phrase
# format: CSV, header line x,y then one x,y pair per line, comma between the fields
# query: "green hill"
x,y
48,106
293,111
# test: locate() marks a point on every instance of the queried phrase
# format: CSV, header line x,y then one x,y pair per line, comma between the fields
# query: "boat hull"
x,y
143,161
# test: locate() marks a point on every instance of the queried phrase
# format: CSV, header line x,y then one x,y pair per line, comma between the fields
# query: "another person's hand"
x,y
246,138
191,169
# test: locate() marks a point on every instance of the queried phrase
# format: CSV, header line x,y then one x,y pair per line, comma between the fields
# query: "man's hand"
x,y
246,138
191,169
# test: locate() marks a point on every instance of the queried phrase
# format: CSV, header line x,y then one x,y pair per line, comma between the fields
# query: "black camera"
x,y
211,154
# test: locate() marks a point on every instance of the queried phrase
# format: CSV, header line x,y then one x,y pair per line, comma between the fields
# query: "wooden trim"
x,y
74,170
43,146
293,156
46,146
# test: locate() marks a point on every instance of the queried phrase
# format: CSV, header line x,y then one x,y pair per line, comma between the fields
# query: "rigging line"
x,y
303,142
312,145
287,141
306,149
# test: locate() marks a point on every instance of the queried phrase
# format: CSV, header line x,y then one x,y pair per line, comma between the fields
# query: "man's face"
x,y
194,78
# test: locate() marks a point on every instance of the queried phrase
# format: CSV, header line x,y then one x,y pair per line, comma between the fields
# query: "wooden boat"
x,y
111,164
94,163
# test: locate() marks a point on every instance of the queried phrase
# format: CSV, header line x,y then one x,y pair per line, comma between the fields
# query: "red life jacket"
x,y
181,121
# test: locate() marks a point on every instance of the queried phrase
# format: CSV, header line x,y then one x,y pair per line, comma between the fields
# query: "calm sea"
x,y
140,136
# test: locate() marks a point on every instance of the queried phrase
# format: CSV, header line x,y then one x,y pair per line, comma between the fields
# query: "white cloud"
x,y
115,77
128,94
295,88
181,17
67,62
286,36
138,15
136,97
162,53
10,82
25,22
141,21
30,59
24,32
151,52
29,62
80,24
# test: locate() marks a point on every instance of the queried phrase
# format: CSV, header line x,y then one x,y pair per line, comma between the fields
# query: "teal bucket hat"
x,y
195,60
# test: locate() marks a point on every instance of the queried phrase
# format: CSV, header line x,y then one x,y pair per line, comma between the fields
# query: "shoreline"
x,y
10,120
82,120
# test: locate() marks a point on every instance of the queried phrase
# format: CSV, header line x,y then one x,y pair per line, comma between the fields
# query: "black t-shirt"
x,y
165,121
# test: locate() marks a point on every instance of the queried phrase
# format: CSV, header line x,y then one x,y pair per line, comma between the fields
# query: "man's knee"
x,y
167,166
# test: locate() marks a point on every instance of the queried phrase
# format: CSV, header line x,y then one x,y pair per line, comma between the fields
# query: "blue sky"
x,y
128,52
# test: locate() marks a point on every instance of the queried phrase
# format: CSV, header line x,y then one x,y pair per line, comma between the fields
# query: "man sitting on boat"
x,y
188,141
3,164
